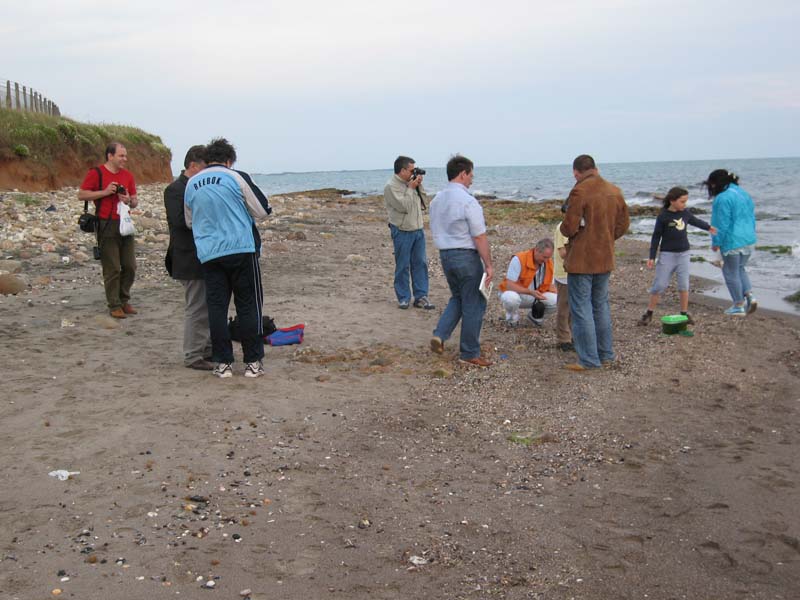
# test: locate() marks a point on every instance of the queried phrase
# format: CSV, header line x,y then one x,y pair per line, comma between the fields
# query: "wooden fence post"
x,y
8,95
16,94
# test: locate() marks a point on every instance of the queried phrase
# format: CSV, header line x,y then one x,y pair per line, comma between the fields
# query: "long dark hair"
x,y
719,180
674,194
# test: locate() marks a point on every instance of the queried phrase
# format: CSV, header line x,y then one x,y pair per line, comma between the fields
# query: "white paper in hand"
x,y
484,289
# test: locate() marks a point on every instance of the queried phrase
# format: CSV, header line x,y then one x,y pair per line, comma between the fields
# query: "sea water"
x,y
774,184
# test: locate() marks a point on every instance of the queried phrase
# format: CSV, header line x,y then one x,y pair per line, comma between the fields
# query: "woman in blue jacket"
x,y
733,214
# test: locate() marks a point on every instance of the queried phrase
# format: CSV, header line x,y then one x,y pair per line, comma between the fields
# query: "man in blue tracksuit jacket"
x,y
221,206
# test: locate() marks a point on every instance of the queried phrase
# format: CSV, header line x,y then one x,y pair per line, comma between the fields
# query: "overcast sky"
x,y
310,85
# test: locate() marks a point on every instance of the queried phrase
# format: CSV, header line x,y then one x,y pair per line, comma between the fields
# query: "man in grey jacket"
x,y
182,264
403,196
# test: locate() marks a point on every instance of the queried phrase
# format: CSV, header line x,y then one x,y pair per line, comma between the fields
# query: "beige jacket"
x,y
402,204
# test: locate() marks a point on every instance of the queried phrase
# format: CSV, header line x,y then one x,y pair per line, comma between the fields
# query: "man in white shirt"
x,y
459,232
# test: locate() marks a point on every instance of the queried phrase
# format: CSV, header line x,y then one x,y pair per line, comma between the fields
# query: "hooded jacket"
x,y
733,213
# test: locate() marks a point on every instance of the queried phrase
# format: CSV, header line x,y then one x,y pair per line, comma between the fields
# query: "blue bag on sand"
x,y
286,336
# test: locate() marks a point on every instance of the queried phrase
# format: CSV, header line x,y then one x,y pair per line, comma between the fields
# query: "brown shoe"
x,y
118,313
201,365
129,310
478,361
437,345
577,367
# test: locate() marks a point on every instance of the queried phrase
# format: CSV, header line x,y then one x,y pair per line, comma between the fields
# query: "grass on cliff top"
x,y
42,138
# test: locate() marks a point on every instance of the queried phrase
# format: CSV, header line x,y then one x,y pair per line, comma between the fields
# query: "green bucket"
x,y
672,324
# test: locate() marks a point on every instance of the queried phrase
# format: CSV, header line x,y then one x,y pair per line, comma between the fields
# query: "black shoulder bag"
x,y
87,221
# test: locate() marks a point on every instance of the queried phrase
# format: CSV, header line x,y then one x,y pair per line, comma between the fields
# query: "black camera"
x,y
121,189
416,172
537,310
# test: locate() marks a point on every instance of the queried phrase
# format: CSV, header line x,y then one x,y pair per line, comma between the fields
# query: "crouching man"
x,y
529,284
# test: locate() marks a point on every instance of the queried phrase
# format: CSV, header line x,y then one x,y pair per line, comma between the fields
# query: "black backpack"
x,y
233,327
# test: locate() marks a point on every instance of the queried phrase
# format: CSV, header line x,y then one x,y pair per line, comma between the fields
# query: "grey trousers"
x,y
196,335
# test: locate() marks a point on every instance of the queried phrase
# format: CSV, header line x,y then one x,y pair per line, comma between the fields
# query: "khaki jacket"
x,y
402,204
602,207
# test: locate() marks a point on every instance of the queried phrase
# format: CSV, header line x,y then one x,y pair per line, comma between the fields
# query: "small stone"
x,y
296,235
56,592
364,523
11,285
10,266
246,592
210,584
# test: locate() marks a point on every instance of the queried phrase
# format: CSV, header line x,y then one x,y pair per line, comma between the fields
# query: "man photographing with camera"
x,y
107,186
404,200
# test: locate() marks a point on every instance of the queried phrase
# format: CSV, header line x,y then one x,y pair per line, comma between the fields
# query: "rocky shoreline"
x,y
363,466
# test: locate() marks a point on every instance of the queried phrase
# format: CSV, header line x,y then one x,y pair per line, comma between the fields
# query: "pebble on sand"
x,y
11,285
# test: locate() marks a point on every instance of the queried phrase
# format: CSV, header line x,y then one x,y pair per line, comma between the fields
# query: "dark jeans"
x,y
118,259
463,270
239,274
409,256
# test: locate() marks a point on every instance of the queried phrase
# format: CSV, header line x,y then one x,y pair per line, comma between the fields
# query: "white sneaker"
x,y
254,369
223,370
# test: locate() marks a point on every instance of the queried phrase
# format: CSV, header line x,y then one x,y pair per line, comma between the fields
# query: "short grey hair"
x,y
545,244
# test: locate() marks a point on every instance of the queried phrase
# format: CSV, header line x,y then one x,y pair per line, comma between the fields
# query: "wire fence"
x,y
21,97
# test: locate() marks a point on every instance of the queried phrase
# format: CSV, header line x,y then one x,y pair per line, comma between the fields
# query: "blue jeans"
x,y
591,318
409,255
463,270
733,270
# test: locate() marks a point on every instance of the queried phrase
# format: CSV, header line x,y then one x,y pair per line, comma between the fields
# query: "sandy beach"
x,y
362,465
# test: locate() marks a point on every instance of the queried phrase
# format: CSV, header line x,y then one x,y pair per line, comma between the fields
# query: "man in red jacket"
x,y
107,186
596,217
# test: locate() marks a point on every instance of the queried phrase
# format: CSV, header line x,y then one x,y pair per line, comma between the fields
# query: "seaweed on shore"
x,y
794,298
775,249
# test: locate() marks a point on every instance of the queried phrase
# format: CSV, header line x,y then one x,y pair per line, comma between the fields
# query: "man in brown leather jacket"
x,y
596,217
